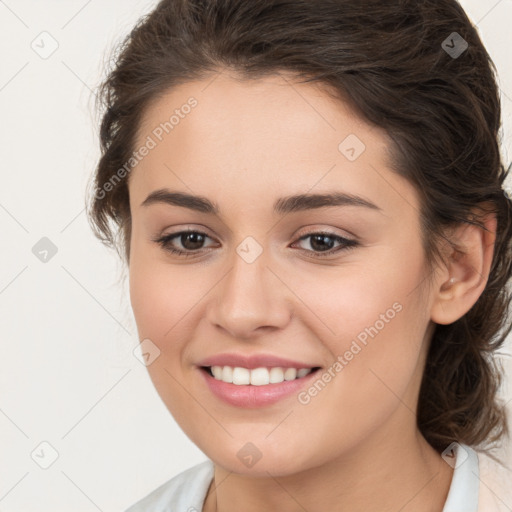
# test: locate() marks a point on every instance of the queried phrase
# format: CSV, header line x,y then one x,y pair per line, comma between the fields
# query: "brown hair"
x,y
392,62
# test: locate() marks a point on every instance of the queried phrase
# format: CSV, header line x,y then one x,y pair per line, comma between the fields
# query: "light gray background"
x,y
67,373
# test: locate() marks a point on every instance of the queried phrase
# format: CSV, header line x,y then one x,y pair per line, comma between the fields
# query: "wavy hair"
x,y
401,66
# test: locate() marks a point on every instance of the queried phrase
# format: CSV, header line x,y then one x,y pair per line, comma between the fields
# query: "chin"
x,y
259,459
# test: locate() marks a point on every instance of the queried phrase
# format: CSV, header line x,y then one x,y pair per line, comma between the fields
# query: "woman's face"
x,y
340,287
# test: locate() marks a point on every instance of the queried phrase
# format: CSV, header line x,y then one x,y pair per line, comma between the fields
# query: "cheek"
x,y
168,305
371,317
162,297
162,300
364,295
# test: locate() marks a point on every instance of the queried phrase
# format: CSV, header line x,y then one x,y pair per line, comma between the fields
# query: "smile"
x,y
257,387
257,376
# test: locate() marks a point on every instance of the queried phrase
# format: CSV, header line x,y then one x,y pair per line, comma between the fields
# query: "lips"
x,y
254,381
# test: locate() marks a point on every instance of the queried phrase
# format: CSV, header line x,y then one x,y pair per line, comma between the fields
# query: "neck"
x,y
408,475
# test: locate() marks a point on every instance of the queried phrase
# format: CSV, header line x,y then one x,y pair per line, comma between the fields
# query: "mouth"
x,y
256,388
255,380
262,376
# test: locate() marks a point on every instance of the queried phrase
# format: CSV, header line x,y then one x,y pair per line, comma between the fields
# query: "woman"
x,y
309,198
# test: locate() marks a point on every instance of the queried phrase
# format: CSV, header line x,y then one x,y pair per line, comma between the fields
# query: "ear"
x,y
466,271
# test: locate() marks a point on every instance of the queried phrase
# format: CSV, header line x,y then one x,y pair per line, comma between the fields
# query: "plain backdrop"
x,y
73,397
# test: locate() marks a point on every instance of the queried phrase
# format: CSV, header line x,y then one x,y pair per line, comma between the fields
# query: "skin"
x,y
355,446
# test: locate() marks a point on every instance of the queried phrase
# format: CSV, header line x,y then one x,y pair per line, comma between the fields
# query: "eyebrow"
x,y
283,205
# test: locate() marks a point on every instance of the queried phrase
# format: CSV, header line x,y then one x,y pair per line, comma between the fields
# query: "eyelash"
x,y
347,244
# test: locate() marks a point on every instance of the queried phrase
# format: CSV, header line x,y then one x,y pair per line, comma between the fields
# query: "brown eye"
x,y
191,242
322,244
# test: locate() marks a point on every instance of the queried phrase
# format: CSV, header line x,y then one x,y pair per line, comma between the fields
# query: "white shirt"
x,y
478,485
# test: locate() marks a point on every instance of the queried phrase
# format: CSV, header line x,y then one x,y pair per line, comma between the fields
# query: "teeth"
x,y
276,375
217,372
257,376
227,373
241,376
290,374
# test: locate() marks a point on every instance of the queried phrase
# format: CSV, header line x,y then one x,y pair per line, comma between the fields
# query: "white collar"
x,y
186,492
463,493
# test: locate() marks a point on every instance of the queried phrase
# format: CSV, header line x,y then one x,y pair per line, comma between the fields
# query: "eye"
x,y
321,243
190,240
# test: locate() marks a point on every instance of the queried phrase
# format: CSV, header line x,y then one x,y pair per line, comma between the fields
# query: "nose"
x,y
251,299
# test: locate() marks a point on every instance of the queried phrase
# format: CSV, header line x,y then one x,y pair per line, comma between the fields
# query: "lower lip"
x,y
254,396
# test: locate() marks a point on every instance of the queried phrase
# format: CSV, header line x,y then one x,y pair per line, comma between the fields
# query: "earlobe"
x,y
468,265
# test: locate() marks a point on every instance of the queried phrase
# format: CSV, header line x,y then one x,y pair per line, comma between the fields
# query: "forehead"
x,y
226,136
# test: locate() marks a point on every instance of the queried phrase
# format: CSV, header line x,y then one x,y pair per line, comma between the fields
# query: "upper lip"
x,y
253,361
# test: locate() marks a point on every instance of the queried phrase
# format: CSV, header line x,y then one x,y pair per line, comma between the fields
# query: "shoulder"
x,y
495,484
183,493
